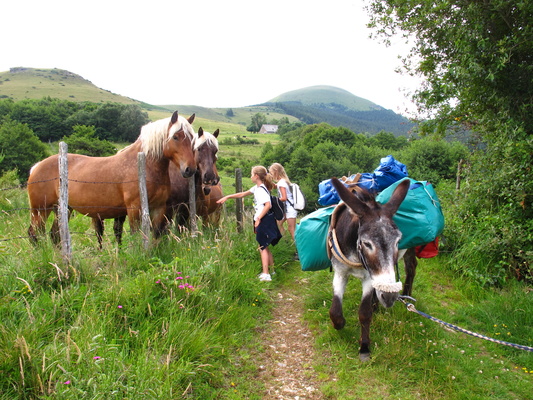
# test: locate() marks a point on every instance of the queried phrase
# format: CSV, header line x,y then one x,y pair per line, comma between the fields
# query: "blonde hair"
x,y
278,172
264,175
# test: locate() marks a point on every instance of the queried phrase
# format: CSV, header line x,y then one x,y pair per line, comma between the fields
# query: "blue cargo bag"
x,y
311,239
419,217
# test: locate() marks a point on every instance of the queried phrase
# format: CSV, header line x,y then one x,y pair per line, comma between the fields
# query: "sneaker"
x,y
265,277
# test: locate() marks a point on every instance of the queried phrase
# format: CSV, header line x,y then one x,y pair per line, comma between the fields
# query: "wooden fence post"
x,y
239,203
64,232
458,178
143,194
192,207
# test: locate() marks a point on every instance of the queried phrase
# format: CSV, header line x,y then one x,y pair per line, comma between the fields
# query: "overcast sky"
x,y
211,53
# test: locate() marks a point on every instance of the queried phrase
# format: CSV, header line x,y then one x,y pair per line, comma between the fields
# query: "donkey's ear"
x,y
215,134
352,201
191,118
397,197
174,118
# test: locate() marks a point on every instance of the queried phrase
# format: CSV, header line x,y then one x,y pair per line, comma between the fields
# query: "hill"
x,y
315,95
339,107
311,105
32,83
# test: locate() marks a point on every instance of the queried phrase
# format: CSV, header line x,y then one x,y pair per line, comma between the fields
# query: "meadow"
x,y
184,319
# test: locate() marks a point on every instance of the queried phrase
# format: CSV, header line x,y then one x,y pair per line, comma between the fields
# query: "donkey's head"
x,y
377,237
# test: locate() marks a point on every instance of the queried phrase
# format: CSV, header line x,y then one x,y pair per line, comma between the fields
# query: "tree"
x,y
20,148
230,113
476,58
257,121
84,141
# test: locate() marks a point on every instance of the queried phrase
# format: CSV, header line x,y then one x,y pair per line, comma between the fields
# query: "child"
x,y
285,195
265,226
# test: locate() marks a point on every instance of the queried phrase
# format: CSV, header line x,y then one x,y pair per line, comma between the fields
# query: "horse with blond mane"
x,y
108,187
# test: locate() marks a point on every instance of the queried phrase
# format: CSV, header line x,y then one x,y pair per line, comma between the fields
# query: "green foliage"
x,y
475,58
20,148
313,153
51,119
258,120
83,141
433,160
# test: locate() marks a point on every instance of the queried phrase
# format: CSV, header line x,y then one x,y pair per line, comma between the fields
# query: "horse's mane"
x,y
207,138
155,134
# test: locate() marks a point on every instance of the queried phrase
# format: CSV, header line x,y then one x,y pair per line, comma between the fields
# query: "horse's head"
x,y
376,237
179,146
205,150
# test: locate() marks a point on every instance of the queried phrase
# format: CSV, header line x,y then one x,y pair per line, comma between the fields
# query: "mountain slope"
x,y
314,95
32,83
339,107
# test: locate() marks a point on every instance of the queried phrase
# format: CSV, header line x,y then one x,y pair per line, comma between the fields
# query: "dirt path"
x,y
287,363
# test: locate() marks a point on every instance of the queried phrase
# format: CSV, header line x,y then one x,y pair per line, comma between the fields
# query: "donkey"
x,y
363,242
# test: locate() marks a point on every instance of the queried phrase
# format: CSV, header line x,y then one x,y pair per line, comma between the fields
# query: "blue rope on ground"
x,y
412,308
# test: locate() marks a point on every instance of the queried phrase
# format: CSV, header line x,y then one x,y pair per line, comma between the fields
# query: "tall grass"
x,y
127,323
183,320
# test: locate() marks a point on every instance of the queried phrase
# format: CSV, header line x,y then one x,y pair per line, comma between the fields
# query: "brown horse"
x,y
107,187
364,243
207,187
206,179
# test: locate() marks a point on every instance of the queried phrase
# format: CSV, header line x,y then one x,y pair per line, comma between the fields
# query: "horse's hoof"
x,y
364,357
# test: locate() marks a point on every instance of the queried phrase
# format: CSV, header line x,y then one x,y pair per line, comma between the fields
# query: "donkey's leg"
x,y
335,312
410,263
98,226
118,228
365,318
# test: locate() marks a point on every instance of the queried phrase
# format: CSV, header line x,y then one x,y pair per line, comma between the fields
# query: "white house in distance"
x,y
265,128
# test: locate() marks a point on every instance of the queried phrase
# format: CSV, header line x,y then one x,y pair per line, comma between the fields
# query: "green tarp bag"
x,y
419,217
311,239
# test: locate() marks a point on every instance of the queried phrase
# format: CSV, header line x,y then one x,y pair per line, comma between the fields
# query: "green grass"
x,y
116,324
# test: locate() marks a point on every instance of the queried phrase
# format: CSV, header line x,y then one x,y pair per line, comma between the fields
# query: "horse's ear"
x,y
215,134
174,118
200,131
191,118
397,197
352,201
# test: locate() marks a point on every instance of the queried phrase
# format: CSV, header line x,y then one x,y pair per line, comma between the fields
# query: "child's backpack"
x,y
277,206
298,197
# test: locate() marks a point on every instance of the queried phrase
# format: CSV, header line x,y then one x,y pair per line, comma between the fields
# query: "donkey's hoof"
x,y
364,357
338,323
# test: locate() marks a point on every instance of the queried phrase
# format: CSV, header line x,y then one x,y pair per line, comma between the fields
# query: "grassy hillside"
x,y
325,95
32,83
311,105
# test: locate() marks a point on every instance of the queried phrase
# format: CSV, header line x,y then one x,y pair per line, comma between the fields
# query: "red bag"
x,y
428,250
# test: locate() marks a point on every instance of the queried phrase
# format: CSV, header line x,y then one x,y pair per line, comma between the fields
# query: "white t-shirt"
x,y
290,212
261,196
283,183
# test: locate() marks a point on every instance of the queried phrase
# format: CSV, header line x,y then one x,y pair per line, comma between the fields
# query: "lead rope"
x,y
412,308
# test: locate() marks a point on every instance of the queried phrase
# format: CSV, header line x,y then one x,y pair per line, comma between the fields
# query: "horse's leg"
x,y
54,231
335,311
98,226
118,228
410,262
365,318
37,223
